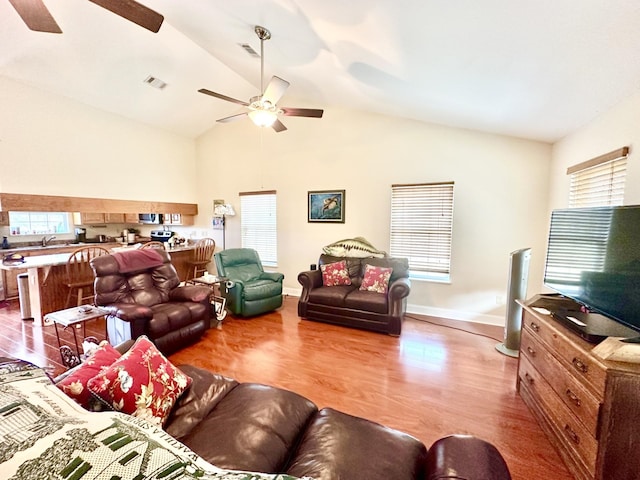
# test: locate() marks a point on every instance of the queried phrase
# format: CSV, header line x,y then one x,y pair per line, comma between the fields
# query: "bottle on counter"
x,y
5,243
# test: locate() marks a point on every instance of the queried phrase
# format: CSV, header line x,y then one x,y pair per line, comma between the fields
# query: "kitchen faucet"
x,y
46,240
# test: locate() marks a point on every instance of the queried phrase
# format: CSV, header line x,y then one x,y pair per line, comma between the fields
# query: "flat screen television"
x,y
593,258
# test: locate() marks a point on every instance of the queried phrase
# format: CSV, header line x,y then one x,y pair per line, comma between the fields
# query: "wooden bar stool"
x,y
79,275
202,254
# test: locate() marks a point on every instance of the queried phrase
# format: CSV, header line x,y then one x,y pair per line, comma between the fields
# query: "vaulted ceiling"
x,y
535,70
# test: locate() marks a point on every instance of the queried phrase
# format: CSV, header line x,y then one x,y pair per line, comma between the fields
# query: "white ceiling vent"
x,y
249,49
155,82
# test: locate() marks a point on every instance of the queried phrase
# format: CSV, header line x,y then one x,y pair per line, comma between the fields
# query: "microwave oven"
x,y
154,218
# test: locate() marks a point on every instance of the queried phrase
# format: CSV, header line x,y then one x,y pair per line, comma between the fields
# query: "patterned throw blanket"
x,y
46,435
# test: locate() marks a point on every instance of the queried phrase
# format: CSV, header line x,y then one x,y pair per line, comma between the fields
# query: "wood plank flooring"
x,y
430,382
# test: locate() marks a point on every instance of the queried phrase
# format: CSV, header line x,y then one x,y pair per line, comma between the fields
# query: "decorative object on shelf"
x,y
222,210
326,206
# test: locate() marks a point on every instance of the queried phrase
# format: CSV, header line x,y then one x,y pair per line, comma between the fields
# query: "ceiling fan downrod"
x,y
263,34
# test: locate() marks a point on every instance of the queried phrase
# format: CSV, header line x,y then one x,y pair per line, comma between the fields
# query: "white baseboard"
x,y
473,317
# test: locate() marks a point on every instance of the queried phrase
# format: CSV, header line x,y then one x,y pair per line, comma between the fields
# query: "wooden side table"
x,y
218,302
74,318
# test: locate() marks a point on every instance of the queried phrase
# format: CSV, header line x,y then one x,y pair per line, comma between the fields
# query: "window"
x,y
258,224
38,223
421,228
599,181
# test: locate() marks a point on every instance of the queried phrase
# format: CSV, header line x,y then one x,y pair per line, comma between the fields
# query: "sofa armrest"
x,y
275,276
310,279
129,312
190,293
465,457
399,288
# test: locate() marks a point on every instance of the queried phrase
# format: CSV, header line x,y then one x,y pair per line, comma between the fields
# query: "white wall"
x,y
56,146
501,191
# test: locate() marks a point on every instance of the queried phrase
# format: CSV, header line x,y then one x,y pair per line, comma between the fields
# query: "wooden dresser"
x,y
589,408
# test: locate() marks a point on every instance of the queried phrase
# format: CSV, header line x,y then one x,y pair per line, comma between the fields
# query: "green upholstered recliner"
x,y
251,290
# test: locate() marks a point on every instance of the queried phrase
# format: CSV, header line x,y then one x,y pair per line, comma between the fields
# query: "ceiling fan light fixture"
x,y
263,118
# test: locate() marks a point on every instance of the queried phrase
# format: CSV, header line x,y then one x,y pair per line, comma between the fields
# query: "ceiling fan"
x,y
38,18
263,109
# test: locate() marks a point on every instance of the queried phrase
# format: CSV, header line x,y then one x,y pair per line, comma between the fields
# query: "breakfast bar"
x,y
47,278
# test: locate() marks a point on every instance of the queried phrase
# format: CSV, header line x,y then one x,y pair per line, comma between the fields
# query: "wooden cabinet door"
x,y
4,218
83,218
114,217
131,218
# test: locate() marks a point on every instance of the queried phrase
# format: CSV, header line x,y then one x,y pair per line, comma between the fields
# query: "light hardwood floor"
x,y
430,382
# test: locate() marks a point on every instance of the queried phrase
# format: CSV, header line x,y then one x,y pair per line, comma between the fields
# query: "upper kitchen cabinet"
x,y
4,219
131,218
83,218
177,219
114,218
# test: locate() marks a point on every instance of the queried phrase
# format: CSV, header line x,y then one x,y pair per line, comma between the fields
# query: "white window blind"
x,y
422,227
258,224
600,181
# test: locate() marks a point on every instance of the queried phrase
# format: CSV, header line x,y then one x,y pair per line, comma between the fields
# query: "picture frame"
x,y
326,206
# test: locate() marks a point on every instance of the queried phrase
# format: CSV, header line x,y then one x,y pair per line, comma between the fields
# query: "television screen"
x,y
593,257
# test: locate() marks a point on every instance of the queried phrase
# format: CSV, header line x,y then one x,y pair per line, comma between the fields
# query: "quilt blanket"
x,y
46,435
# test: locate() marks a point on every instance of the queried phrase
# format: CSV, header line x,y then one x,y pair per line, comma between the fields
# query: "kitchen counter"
x,y
47,274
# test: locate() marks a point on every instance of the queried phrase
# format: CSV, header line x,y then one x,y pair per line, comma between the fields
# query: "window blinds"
x,y
600,181
258,224
421,227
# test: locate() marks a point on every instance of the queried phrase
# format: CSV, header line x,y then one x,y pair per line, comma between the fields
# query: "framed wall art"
x,y
326,206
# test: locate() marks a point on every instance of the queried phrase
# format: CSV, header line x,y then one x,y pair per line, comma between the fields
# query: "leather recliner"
x,y
140,289
249,290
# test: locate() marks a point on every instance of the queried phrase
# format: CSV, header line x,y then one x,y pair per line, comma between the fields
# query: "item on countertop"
x,y
13,259
5,243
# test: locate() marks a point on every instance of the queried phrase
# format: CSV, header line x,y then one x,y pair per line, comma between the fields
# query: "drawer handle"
x,y
580,365
529,378
573,397
571,434
535,327
531,351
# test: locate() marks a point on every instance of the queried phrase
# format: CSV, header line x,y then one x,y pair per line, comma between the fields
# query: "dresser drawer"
x,y
575,396
576,441
569,350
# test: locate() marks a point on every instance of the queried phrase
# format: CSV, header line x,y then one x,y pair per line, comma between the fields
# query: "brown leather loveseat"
x,y
140,289
348,305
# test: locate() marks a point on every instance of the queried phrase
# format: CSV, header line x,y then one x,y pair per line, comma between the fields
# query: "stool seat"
x,y
79,275
201,257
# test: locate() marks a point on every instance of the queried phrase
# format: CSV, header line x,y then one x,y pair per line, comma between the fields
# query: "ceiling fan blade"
x,y
232,118
134,12
222,97
275,90
278,126
36,15
302,112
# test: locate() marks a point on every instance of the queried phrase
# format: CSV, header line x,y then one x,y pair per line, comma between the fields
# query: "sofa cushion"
x,y
206,390
254,427
332,296
376,279
142,383
367,301
263,288
75,383
400,266
334,274
337,445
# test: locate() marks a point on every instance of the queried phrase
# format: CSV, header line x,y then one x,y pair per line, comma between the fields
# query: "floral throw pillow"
x,y
376,279
334,274
75,384
142,383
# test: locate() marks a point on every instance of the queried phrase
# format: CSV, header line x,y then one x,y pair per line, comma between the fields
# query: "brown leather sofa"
x,y
140,289
248,426
260,428
351,307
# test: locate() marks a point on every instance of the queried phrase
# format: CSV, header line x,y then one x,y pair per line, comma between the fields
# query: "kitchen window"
x,y
38,223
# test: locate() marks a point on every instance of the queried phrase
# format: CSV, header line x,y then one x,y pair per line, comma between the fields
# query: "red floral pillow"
x,y
376,279
334,274
142,383
75,384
